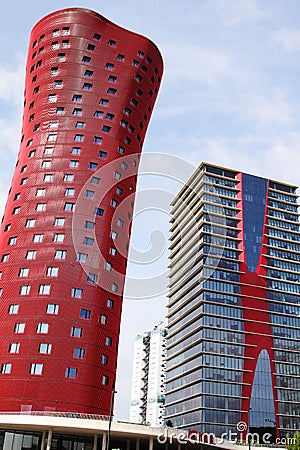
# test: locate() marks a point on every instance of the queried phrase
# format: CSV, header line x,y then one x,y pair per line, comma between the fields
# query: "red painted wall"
x,y
55,67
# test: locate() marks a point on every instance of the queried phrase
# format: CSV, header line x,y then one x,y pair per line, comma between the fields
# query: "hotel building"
x,y
89,93
233,312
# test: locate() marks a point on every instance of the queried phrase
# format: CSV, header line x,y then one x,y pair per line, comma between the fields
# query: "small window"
x,y
37,238
88,73
69,206
59,221
58,237
19,328
79,353
30,223
31,154
127,140
5,257
80,125
86,59
106,128
99,212
68,177
117,175
65,31
85,313
12,240
45,349
127,111
42,328
113,235
44,289
52,98
60,254
109,66
89,194
134,102
31,254
88,241
48,177
52,271
114,287
78,137
110,303
23,181
112,79
73,163
14,347
52,308
40,207
108,266
71,372
109,116
108,341
76,293
103,101
135,63
24,290
69,191
61,57
121,150
46,164
16,210
124,165
95,180
76,331
140,53
92,277
112,42
52,137
87,86
105,380
55,32
36,127
104,359
60,110
97,139
119,191
36,369
97,37
13,309
91,47
36,89
112,91
6,368
77,111
92,165
98,114
54,70
49,150
75,151
77,98
138,77
58,83
40,192
123,123
82,257
120,223
23,272
114,203
120,57
102,154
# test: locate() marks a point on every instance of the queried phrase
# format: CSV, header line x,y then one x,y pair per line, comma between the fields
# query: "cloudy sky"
x,y
230,96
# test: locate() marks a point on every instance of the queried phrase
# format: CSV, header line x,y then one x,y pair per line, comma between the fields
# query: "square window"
x,y
89,194
80,125
77,111
86,59
30,223
117,175
109,66
97,37
14,347
120,57
60,110
108,341
65,43
6,368
41,207
19,328
106,128
44,289
102,154
45,349
105,380
112,91
95,180
23,181
97,139
75,150
5,257
60,254
92,277
77,98
36,369
69,206
52,271
54,70
92,165
76,293
69,191
87,86
73,163
49,150
58,83
52,308
135,63
16,210
88,241
88,73
85,313
98,114
78,137
123,123
79,353
52,98
71,372
99,212
112,78
114,287
119,191
23,272
24,290
113,235
40,192
31,254
37,238
58,237
52,137
59,221
121,223
104,359
42,328
68,177
114,203
76,331
65,31
12,240
46,164
82,257
13,309
103,101
112,251
108,266
48,177
111,42
61,57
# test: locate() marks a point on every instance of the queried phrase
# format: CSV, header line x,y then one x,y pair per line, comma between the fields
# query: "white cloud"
x,y
289,38
11,83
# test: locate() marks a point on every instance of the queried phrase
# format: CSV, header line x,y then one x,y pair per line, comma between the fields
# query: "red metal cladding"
x,y
90,91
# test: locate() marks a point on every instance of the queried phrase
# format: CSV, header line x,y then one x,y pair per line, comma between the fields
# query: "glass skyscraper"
x,y
233,312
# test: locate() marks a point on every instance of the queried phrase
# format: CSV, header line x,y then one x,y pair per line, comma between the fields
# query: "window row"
x,y
53,308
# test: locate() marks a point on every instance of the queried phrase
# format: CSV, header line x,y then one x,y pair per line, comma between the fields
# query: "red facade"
x,y
89,94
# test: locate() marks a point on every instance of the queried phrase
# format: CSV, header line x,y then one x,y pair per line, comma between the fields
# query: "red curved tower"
x,y
90,91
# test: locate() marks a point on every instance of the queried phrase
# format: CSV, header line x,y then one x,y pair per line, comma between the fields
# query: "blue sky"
x,y
230,96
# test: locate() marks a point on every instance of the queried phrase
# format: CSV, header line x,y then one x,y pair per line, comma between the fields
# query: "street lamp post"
x,y
249,432
110,418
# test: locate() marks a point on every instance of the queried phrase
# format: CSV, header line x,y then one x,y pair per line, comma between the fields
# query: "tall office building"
x,y
148,378
233,313
89,94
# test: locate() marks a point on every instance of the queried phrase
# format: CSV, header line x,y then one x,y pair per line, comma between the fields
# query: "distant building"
x,y
233,317
148,378
90,90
